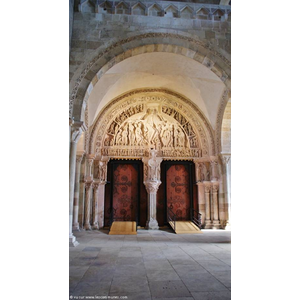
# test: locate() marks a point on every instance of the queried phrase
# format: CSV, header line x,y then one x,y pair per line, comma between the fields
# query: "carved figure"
x,y
124,137
131,134
138,134
154,166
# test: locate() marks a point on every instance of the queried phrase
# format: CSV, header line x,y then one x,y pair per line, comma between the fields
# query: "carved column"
x,y
76,193
76,130
152,183
225,159
200,188
216,221
101,193
207,188
87,206
95,205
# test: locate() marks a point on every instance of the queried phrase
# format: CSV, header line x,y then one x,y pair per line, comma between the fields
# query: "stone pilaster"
x,y
76,129
95,205
225,159
216,221
87,206
79,157
152,183
207,188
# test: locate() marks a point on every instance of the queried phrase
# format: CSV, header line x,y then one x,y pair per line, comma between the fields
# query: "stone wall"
x,y
71,17
92,30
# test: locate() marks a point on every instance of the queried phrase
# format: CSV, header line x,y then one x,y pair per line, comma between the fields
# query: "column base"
x,y
152,224
208,224
95,226
216,224
87,226
72,241
76,227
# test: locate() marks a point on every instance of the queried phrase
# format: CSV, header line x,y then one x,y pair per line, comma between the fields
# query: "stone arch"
x,y
187,118
87,75
226,129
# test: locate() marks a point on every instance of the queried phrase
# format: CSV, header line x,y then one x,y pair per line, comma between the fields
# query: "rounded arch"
x,y
87,76
172,112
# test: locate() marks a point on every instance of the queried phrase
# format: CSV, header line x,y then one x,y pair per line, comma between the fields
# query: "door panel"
x,y
125,192
178,190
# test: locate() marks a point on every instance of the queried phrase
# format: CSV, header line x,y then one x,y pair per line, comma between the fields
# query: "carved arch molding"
x,y
133,123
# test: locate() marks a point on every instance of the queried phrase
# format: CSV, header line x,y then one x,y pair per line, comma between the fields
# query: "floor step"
x,y
123,227
185,227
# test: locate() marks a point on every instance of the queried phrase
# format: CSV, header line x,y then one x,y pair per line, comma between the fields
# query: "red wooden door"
x,y
178,191
125,192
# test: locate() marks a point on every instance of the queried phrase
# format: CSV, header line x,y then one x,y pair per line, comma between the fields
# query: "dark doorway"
x,y
177,191
125,194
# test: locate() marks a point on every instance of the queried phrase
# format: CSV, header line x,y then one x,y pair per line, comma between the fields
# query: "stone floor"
x,y
151,265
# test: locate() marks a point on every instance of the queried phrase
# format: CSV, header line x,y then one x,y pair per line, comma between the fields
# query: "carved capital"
x,y
77,127
215,187
88,184
79,156
207,186
214,160
95,185
75,134
225,158
152,186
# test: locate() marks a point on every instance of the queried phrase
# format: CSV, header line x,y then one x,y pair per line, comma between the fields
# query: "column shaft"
x,y
101,197
216,221
207,187
95,206
87,208
76,192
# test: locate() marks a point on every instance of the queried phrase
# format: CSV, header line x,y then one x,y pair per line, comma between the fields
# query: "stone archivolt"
x,y
137,123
